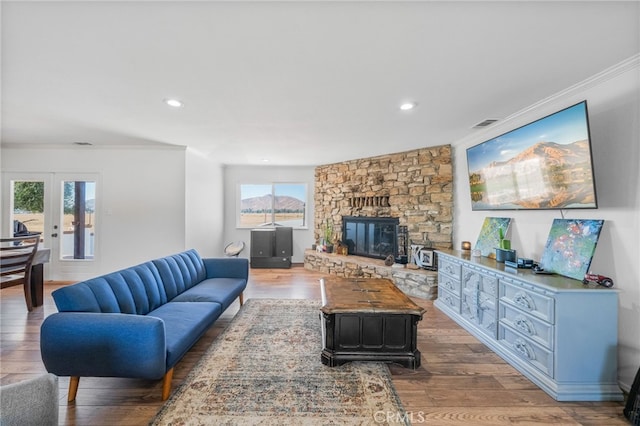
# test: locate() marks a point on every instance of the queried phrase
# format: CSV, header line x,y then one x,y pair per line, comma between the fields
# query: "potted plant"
x,y
327,231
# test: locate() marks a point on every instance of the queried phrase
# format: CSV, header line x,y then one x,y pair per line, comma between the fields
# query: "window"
x,y
272,204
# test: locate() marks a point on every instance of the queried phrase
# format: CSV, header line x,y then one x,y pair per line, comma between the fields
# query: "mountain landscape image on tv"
x,y
546,164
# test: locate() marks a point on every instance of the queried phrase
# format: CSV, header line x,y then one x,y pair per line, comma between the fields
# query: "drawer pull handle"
x,y
525,325
523,300
449,300
449,285
523,349
449,269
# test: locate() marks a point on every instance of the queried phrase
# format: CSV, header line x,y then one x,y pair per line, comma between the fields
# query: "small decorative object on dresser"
x,y
429,261
493,230
426,258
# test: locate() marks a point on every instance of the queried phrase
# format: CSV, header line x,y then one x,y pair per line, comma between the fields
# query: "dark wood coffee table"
x,y
368,319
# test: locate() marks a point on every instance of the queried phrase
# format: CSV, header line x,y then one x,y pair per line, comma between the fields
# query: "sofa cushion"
x,y
136,290
184,324
180,272
220,290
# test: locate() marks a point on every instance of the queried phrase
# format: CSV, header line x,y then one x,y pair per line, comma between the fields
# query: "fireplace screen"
x,y
371,236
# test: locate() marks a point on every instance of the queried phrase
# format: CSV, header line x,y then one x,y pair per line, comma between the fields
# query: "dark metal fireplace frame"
x,y
375,237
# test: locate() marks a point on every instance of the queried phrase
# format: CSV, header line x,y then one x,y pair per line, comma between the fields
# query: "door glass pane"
x,y
78,220
28,208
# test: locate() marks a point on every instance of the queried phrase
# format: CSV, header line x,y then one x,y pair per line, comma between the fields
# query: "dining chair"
x,y
16,258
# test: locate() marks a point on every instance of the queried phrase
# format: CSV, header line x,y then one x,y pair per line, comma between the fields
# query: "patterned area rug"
x,y
265,369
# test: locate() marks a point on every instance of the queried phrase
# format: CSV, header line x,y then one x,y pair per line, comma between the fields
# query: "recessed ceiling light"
x,y
407,106
173,103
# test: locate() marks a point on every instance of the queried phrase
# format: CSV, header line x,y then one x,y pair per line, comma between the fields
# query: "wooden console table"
x,y
368,319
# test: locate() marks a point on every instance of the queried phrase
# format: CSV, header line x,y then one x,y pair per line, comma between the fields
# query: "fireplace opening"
x,y
375,237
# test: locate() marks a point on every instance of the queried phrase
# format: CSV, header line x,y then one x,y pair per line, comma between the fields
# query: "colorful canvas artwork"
x,y
570,246
489,237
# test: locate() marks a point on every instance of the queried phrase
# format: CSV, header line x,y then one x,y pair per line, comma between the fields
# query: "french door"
x,y
62,207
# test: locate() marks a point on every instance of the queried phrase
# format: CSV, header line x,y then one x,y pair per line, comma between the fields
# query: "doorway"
x,y
62,207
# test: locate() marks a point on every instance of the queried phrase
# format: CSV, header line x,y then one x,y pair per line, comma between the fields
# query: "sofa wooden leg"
x,y
166,384
241,297
73,388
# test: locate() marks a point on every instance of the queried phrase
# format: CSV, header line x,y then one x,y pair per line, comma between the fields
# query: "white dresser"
x,y
558,332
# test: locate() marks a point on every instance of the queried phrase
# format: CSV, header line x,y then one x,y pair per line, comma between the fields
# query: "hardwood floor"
x,y
460,380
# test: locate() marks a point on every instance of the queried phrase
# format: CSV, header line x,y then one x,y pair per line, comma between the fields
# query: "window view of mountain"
x,y
280,203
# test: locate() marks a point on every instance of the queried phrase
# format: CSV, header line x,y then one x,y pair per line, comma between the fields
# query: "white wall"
x,y
236,175
613,99
204,205
141,194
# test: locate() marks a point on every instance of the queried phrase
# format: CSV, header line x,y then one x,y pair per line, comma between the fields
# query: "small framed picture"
x,y
428,259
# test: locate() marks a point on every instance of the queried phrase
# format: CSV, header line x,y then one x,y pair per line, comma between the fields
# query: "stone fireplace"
x,y
413,187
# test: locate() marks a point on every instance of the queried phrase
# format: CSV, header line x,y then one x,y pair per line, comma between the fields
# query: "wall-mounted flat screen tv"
x,y
546,164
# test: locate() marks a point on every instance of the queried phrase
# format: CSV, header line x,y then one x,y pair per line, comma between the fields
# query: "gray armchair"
x,y
31,402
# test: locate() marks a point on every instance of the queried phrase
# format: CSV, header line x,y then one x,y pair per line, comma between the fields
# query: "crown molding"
x,y
162,147
602,77
593,81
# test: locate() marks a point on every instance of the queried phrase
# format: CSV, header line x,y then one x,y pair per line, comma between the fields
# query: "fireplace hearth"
x,y
375,237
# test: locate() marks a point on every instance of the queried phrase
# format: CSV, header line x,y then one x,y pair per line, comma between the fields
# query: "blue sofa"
x,y
140,321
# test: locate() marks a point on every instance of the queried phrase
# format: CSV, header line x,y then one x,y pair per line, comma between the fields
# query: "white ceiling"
x,y
298,82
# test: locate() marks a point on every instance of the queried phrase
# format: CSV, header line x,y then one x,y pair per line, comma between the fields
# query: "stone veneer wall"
x,y
414,186
413,282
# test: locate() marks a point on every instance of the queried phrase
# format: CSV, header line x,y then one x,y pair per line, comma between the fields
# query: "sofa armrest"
x,y
227,267
103,345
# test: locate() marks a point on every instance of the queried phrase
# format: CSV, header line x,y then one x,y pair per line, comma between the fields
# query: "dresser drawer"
x,y
531,302
480,309
451,300
472,279
449,267
526,349
539,331
449,283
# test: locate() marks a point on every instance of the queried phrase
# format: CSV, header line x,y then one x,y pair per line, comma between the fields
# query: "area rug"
x,y
265,369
